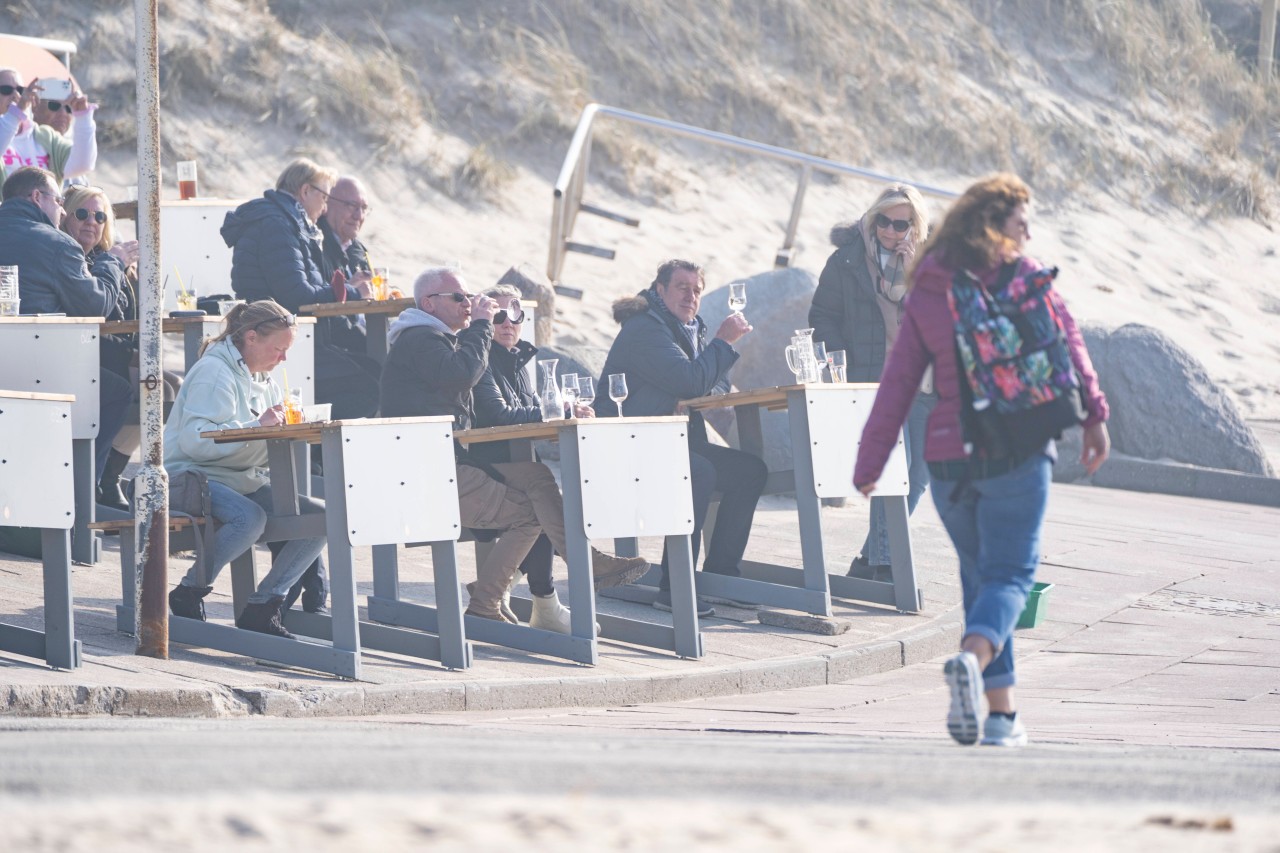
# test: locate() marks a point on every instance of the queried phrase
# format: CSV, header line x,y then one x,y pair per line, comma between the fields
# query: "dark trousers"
x,y
739,478
536,566
114,396
348,380
313,586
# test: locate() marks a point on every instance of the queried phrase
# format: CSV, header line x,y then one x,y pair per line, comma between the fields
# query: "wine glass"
x,y
618,389
586,390
737,296
569,390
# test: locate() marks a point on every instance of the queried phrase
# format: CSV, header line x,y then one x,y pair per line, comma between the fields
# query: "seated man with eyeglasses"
x,y
54,278
27,141
439,352
343,252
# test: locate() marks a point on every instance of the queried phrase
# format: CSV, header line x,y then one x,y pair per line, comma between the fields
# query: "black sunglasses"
x,y
899,225
283,320
6,89
513,315
456,297
98,216
54,106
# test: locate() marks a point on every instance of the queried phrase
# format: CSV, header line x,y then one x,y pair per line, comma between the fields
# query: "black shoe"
x,y
264,618
861,568
663,603
319,609
188,601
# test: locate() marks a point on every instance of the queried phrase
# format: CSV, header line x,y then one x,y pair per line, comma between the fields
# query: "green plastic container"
x,y
1037,605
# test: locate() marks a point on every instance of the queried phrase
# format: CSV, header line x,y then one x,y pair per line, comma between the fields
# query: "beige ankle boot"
x,y
504,604
549,614
488,590
610,570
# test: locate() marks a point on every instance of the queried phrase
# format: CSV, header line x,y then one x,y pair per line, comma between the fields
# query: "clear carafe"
x,y
551,399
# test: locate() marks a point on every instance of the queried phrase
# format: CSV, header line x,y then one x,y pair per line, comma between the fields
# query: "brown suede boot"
x,y
610,570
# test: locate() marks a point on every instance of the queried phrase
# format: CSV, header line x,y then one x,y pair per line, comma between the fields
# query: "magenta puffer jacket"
x,y
927,337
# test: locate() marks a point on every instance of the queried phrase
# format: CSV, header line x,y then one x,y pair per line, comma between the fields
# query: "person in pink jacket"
x,y
991,508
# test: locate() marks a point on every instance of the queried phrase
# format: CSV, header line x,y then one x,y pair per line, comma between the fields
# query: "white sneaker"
x,y
550,615
1002,731
965,680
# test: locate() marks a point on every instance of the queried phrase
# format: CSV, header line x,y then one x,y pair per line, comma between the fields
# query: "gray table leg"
x,y
62,650
627,547
284,486
454,651
684,611
750,429
375,340
386,572
192,338
808,506
906,594
85,543
342,581
582,600
128,610
302,467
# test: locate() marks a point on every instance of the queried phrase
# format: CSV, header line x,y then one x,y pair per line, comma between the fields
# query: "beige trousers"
x,y
527,504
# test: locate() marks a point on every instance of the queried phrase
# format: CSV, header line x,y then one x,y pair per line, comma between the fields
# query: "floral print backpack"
x,y
1021,389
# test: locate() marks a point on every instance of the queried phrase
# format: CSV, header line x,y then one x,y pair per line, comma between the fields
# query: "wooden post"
x,y
1267,40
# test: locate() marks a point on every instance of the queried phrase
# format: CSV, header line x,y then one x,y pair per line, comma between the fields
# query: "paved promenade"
x,y
1165,615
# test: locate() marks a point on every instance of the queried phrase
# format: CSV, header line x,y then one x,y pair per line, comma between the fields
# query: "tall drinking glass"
x,y
820,356
569,390
586,390
737,296
837,359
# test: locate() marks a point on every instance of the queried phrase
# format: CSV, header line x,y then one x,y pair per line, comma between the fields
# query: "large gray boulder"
x,y
1164,405
777,305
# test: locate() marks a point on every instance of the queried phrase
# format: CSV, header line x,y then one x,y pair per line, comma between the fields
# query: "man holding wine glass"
x,y
662,356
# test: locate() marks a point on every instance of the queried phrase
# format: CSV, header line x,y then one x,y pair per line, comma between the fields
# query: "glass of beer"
x,y
186,179
380,283
293,407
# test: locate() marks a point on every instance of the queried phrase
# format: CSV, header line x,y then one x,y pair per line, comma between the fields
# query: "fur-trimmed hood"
x,y
845,233
629,306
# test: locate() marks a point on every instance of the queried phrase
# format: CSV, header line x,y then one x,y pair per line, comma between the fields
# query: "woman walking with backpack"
x,y
1004,384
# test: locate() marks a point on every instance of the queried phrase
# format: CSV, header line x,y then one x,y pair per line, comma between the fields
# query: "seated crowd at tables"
x,y
453,353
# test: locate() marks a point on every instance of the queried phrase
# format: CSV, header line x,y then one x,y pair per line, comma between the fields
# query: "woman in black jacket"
x,y
504,396
858,307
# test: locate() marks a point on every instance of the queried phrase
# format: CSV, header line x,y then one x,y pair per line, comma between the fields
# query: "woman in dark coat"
x,y
858,307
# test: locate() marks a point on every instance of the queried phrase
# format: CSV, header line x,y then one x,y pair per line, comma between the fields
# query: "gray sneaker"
x,y
1002,731
965,680
608,570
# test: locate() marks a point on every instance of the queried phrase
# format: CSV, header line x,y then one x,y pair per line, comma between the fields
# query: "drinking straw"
x,y
180,284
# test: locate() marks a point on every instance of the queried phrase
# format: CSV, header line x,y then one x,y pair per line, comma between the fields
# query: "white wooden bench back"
x,y
837,416
54,355
35,462
634,479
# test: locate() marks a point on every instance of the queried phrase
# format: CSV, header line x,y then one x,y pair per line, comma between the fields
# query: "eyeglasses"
x,y
456,297
54,106
98,216
899,225
513,315
6,89
317,189
362,207
59,199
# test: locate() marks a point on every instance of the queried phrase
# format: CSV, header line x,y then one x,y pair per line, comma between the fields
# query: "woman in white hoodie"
x,y
228,388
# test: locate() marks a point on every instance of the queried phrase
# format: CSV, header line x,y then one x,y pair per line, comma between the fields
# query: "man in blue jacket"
x,y
54,278
663,351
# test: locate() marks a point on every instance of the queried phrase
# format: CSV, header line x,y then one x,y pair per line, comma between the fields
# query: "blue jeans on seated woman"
x,y
994,525
243,518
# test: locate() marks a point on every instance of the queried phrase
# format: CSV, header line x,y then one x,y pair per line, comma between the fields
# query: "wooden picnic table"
x,y
377,314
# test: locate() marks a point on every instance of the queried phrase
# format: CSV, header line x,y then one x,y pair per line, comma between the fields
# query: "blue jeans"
x,y
876,546
995,528
243,518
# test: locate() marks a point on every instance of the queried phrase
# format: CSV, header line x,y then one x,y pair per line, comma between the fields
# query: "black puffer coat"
x,y
844,314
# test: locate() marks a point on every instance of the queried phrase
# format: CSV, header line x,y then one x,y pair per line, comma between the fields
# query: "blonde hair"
x,y
301,172
77,196
247,317
892,196
500,290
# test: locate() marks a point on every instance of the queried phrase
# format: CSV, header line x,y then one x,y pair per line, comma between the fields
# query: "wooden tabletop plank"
x,y
547,429
33,395
311,431
770,398
357,306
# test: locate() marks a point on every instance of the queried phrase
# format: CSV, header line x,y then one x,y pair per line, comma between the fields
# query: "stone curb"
x,y
940,635
1174,478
